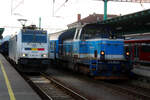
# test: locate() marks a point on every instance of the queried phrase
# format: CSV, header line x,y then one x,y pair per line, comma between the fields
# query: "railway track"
x,y
136,92
141,81
50,89
129,90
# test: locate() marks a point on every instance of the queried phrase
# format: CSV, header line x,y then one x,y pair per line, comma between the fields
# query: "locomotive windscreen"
x,y
67,35
93,31
34,36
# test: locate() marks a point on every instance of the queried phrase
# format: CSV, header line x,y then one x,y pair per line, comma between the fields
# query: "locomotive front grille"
x,y
33,61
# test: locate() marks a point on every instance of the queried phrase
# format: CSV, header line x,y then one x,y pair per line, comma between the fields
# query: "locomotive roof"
x,y
35,31
69,34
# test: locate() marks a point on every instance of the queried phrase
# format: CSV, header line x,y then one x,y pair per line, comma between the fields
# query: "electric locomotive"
x,y
92,49
29,49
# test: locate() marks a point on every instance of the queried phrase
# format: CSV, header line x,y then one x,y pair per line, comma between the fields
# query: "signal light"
x,y
127,53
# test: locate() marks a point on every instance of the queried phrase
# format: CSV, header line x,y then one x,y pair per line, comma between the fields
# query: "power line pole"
x,y
53,8
54,11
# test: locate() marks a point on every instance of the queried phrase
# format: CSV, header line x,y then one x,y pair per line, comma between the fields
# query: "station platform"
x,y
12,85
142,71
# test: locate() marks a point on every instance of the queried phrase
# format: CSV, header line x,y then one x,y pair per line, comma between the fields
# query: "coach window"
x,y
136,50
51,45
145,48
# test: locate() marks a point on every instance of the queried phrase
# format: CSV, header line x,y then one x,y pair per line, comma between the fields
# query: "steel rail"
x,y
39,91
127,91
66,89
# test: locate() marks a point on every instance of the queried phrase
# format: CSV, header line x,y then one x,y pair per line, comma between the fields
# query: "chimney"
x,y
78,17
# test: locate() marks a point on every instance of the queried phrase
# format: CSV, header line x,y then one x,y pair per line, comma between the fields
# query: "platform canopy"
x,y
138,22
1,32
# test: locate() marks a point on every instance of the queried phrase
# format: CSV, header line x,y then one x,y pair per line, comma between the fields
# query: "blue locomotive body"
x,y
94,50
53,49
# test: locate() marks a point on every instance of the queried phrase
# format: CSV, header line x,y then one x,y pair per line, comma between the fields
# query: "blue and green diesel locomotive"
x,y
92,49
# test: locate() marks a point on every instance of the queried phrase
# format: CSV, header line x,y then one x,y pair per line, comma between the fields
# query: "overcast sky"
x,y
63,14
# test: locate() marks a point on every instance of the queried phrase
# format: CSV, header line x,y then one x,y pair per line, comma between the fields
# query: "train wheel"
x,y
76,67
90,74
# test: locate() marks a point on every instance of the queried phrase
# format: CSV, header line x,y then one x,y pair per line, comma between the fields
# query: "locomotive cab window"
x,y
77,34
94,32
36,37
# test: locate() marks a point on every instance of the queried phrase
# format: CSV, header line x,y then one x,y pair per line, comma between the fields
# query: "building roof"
x,y
91,19
138,22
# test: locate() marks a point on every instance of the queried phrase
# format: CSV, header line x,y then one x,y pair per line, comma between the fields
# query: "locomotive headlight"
x,y
127,53
102,57
102,52
24,55
44,55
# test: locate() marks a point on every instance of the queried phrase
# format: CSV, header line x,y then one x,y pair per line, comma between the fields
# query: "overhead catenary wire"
x,y
60,6
14,7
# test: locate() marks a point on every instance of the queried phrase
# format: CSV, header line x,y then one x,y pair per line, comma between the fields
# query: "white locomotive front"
x,y
29,50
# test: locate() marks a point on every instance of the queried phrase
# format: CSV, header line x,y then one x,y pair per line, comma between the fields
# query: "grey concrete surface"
x,y
21,89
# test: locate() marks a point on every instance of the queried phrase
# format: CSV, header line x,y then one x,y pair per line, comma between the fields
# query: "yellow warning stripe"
x,y
10,91
34,49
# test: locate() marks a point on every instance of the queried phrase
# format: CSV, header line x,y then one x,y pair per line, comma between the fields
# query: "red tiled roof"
x,y
92,18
